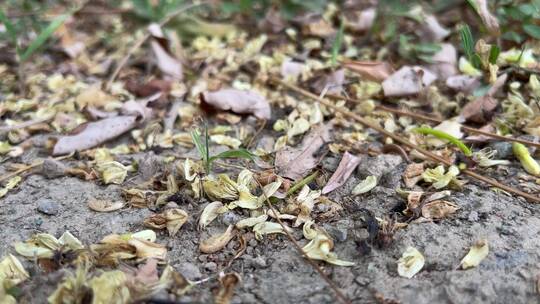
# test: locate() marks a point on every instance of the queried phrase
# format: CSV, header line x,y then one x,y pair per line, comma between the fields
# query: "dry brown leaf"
x,y
445,61
166,61
238,101
481,109
489,20
433,30
104,206
228,283
371,70
92,134
413,174
408,81
345,168
294,163
438,209
363,20
217,242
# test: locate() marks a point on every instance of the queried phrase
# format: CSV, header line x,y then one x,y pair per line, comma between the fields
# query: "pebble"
x,y
473,216
210,266
190,271
230,218
504,149
48,207
52,168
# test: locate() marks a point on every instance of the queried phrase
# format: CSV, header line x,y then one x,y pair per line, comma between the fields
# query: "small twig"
x,y
25,124
28,167
403,141
341,297
141,41
425,117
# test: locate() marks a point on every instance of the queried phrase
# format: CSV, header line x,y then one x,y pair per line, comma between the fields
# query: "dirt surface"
x,y
273,272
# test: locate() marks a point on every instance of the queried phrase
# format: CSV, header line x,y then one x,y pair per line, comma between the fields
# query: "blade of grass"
x,y
43,36
443,135
494,52
237,153
9,28
336,46
196,138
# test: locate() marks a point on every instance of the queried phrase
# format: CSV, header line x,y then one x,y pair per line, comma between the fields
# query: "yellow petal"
x,y
410,263
210,213
477,253
176,218
251,221
110,287
217,242
12,272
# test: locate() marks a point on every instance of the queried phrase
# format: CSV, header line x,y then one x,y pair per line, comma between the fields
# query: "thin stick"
x,y
405,142
436,120
24,124
141,41
341,297
28,167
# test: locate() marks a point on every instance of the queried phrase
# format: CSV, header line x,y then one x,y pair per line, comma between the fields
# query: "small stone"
x,y
259,262
203,258
473,216
149,166
253,242
48,207
504,149
210,266
52,168
230,218
337,233
190,271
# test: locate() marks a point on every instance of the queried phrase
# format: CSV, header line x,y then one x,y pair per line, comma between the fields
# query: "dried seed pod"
x,y
217,242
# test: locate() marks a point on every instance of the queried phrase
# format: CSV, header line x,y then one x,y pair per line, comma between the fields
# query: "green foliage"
x,y
204,152
288,8
23,54
155,11
336,45
423,51
468,43
443,135
519,19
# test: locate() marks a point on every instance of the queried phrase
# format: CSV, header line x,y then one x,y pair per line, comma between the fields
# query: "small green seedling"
x,y
443,135
336,46
529,164
202,147
23,54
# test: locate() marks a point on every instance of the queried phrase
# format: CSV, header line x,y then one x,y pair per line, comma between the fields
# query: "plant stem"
x,y
302,183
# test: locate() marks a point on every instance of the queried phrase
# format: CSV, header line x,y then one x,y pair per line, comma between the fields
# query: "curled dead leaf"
x,y
104,206
438,209
210,212
228,283
217,242
166,61
344,170
238,101
372,70
172,219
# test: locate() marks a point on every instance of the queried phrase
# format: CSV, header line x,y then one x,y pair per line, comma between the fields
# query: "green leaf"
x,y
443,135
528,9
467,41
197,141
533,30
336,46
427,48
43,36
237,153
9,28
494,52
513,36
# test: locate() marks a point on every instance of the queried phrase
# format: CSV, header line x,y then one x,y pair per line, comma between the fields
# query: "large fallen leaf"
x,y
92,134
481,109
371,70
294,163
345,168
477,253
166,61
445,61
408,81
238,101
410,263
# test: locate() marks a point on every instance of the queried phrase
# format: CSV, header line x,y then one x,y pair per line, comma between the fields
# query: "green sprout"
x,y
443,135
204,152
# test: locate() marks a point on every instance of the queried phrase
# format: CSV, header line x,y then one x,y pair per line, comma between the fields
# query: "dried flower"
x,y
438,177
484,158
